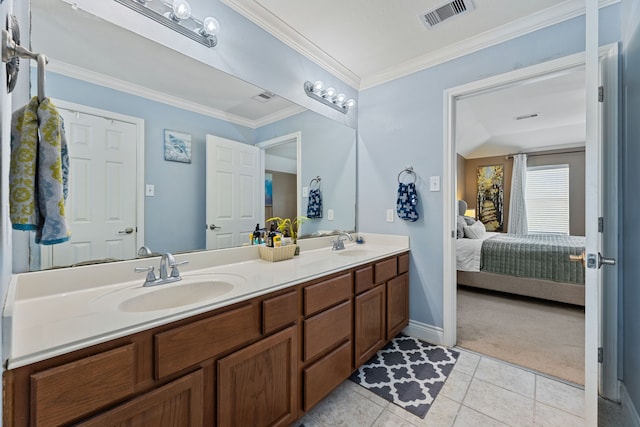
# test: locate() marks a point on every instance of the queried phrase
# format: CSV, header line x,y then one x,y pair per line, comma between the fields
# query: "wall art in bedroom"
x,y
177,146
490,206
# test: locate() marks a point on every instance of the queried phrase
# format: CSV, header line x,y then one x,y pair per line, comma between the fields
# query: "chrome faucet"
x,y
338,244
167,261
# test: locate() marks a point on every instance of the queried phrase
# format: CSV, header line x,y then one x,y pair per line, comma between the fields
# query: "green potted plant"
x,y
289,228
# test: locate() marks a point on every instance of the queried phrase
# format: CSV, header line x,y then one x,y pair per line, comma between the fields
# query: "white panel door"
x,y
101,208
233,192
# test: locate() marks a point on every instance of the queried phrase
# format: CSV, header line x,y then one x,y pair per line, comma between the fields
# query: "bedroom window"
x,y
547,198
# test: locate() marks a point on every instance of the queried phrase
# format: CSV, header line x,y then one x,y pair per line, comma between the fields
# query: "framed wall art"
x,y
490,197
177,146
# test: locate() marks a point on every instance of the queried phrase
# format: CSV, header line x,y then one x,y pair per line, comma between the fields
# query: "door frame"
x,y
46,254
263,145
608,381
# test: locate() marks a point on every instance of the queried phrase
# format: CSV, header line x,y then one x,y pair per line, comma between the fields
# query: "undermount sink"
x,y
190,290
175,296
354,252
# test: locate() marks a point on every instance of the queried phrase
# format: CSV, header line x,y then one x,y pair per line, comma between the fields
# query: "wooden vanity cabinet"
x,y
260,362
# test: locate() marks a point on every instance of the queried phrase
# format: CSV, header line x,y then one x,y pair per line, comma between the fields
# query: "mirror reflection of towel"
x,y
314,208
407,201
38,176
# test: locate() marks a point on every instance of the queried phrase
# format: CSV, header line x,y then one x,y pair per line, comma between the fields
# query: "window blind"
x,y
547,198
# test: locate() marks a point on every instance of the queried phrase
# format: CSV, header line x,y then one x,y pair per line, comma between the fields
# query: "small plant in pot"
x,y
289,228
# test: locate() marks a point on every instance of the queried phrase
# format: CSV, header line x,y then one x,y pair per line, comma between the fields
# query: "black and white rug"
x,y
408,372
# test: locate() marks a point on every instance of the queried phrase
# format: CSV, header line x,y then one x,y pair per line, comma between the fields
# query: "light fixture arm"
x,y
308,88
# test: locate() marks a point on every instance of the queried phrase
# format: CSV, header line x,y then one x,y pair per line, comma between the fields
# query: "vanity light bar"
x,y
328,96
187,27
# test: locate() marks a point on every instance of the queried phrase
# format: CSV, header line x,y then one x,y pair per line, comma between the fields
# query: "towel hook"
x,y
42,62
317,180
408,170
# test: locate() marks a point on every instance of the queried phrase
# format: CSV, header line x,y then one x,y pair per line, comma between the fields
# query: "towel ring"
x,y
409,171
317,180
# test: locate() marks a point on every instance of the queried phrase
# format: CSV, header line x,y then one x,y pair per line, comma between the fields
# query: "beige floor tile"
x,y
498,403
467,362
467,417
345,408
560,395
547,416
350,385
507,376
456,386
441,414
307,421
389,419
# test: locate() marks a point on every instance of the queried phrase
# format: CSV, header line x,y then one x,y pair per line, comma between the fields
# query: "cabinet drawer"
x,y
385,270
69,391
403,263
326,374
325,294
279,311
326,329
364,279
189,345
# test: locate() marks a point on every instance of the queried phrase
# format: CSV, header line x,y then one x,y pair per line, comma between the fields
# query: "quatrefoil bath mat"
x,y
407,372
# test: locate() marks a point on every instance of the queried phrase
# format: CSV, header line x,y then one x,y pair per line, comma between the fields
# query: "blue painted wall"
x,y
401,123
630,200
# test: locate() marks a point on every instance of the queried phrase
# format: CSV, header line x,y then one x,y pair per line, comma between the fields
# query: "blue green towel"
x,y
38,176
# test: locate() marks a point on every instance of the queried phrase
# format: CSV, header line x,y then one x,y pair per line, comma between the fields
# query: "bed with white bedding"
x,y
535,266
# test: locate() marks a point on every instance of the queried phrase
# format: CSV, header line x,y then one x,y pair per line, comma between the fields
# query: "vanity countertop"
x,y
54,312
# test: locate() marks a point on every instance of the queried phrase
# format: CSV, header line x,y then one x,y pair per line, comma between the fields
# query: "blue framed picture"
x,y
177,146
268,189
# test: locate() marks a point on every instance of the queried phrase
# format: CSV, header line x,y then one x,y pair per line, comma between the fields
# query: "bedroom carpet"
x,y
544,336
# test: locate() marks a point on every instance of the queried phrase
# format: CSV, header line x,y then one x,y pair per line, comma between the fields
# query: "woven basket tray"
x,y
277,254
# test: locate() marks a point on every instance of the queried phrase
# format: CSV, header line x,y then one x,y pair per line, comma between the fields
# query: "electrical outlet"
x,y
390,215
150,190
434,183
330,214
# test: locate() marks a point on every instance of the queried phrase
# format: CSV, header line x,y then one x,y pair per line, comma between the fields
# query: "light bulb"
x,y
210,27
181,10
350,103
318,87
340,99
329,93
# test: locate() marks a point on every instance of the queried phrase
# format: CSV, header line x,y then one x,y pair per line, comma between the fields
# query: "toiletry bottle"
x,y
271,235
277,240
256,236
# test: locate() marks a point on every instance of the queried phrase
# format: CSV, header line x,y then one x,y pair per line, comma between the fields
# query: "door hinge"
x,y
600,225
453,234
600,355
600,93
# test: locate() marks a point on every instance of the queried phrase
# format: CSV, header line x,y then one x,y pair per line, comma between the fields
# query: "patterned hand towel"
x,y
407,201
38,183
314,208
53,170
23,208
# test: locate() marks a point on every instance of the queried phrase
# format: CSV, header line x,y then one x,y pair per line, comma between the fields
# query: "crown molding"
x,y
287,35
528,24
89,76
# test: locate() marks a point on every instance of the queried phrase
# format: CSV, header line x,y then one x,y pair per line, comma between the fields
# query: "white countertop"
x,y
53,312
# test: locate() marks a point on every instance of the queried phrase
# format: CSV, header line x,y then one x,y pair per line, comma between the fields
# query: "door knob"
x,y
127,230
213,227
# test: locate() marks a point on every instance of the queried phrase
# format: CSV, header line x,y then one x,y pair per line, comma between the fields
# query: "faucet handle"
x,y
174,268
151,276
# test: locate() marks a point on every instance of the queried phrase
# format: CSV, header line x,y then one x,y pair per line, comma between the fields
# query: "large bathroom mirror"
x,y
106,78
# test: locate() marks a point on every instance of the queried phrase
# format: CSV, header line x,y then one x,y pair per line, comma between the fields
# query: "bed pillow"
x,y
469,220
460,227
475,230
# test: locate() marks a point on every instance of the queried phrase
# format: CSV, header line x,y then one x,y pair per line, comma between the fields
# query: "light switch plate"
x,y
305,191
390,215
330,214
434,183
150,190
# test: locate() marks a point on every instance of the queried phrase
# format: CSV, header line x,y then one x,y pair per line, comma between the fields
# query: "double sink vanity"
x,y
239,341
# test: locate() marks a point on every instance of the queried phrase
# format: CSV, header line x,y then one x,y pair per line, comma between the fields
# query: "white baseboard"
x,y
428,333
629,411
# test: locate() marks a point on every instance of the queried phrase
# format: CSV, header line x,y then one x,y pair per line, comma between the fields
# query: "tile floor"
x,y
479,392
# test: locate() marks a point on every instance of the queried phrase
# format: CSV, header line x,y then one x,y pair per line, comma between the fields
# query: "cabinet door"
x,y
257,385
369,324
397,304
176,404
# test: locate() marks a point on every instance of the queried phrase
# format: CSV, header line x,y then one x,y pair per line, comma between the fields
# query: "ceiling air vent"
x,y
264,96
446,11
